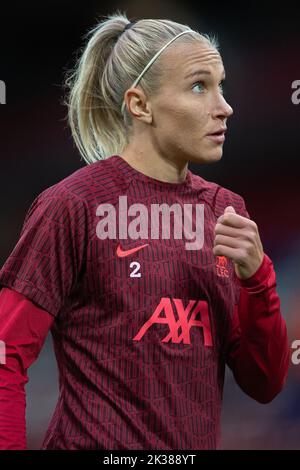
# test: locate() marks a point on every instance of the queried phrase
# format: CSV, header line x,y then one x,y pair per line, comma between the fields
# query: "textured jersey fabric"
x,y
141,336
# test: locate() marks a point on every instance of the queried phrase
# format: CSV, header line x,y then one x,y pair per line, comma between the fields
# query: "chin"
x,y
215,158
209,157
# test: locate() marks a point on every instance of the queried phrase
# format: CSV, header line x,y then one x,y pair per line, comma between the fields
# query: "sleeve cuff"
x,y
260,276
31,292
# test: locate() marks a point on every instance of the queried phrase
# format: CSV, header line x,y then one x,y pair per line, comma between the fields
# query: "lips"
x,y
218,136
220,131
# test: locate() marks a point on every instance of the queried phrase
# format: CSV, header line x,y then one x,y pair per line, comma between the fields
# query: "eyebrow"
x,y
201,72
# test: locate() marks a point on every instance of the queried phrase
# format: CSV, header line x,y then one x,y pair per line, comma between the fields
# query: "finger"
x,y
229,209
228,231
232,253
233,220
232,242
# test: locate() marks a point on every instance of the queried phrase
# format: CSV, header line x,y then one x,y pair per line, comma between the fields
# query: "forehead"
x,y
185,58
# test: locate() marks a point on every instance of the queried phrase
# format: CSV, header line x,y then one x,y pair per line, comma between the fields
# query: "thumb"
x,y
229,209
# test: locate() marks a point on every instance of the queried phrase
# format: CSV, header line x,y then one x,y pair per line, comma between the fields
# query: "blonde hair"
x,y
110,62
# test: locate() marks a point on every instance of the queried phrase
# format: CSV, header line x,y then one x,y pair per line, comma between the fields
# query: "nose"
x,y
223,110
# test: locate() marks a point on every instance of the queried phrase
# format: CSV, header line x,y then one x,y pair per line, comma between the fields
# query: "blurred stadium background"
x,y
261,161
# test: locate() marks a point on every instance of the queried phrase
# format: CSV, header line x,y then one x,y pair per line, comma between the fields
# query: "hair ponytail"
x,y
97,126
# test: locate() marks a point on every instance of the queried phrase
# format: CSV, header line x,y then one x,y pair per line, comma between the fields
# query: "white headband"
x,y
153,60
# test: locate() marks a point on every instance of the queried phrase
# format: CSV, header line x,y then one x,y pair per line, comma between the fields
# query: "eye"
x,y
198,85
221,87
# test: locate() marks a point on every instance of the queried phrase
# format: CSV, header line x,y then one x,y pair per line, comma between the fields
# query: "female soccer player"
x,y
143,320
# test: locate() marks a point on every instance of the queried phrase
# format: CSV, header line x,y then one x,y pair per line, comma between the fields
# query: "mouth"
x,y
218,136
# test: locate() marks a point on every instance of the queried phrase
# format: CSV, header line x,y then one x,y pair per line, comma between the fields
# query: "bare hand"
x,y
237,238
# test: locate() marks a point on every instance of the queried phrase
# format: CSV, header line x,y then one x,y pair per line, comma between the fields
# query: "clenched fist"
x,y
237,238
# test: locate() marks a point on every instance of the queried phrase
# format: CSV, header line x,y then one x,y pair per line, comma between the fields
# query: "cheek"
x,y
193,111
181,119
196,114
171,123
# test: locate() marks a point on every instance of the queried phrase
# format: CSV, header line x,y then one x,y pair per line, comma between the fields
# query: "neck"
x,y
154,165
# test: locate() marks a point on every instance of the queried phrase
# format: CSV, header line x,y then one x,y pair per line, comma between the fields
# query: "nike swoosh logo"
x,y
122,253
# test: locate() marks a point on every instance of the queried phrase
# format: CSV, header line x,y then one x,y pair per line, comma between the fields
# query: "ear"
x,y
138,105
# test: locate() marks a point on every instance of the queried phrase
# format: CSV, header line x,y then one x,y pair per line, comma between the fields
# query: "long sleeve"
x,y
23,330
258,351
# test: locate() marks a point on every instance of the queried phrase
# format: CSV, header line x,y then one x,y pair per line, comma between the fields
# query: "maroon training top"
x,y
143,328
